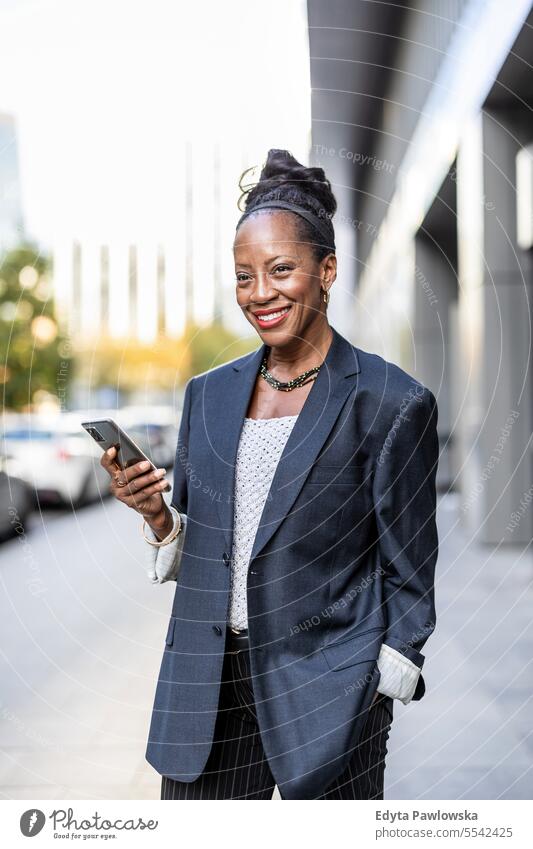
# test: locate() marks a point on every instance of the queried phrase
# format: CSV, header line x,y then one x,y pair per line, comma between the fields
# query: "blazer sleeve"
x,y
164,562
404,494
181,460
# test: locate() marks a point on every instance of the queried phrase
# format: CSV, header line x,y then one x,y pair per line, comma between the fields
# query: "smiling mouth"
x,y
271,318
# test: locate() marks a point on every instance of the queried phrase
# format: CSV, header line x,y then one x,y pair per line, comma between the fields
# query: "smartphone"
x,y
108,433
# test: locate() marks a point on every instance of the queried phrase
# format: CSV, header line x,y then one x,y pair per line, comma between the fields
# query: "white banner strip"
x,y
190,824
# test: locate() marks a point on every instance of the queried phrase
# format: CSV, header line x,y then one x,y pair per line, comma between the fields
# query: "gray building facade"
x,y
422,117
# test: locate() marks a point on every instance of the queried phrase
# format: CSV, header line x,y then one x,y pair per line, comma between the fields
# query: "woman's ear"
x,y
329,270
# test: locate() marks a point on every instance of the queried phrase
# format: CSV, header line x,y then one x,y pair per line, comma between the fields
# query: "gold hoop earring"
x,y
325,296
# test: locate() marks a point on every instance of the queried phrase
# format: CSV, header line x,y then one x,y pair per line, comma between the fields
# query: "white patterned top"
x,y
260,446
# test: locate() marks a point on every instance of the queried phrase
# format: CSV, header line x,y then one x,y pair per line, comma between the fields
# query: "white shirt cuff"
x,y
399,675
164,561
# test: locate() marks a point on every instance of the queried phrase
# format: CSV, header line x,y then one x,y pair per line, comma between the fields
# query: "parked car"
x,y
157,441
17,500
61,462
57,458
154,429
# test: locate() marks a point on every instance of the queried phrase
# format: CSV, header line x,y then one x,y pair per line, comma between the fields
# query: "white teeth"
x,y
272,315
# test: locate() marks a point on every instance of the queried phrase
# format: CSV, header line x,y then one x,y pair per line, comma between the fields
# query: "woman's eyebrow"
x,y
269,259
283,256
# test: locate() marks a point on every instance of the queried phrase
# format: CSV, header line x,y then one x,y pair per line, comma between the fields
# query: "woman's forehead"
x,y
272,232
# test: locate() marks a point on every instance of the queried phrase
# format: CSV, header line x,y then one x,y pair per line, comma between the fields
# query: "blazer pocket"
x,y
363,648
169,639
327,474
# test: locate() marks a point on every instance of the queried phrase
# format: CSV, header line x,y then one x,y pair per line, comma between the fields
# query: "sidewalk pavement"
x,y
80,664
471,736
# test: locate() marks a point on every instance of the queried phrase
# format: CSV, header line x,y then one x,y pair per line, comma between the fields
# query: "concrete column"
x,y
434,293
495,337
435,289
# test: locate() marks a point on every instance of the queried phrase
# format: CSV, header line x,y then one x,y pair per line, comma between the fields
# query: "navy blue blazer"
x,y
343,561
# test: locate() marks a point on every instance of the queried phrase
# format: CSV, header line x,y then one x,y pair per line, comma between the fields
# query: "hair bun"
x,y
283,172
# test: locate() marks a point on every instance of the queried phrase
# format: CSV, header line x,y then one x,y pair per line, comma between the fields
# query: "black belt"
x,y
236,641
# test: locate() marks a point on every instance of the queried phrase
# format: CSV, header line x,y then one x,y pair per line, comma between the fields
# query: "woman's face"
x,y
276,273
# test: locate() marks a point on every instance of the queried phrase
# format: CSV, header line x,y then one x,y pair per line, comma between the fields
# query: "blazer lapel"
x,y
225,405
227,409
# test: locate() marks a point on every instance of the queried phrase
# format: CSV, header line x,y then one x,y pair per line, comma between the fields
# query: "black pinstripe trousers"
x,y
237,767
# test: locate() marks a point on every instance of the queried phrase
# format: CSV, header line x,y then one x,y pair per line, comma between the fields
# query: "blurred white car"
x,y
154,430
17,500
157,441
60,461
56,457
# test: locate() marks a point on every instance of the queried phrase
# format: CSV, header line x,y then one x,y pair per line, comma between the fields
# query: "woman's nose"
x,y
263,286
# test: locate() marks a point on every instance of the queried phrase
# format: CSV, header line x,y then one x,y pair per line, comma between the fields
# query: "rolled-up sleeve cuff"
x,y
163,562
399,675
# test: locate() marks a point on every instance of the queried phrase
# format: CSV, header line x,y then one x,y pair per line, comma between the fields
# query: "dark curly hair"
x,y
284,178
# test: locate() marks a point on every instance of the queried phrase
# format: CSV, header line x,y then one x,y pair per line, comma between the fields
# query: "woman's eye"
x,y
242,277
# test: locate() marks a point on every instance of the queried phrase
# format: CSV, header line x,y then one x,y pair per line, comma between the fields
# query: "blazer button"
x,y
217,629
226,558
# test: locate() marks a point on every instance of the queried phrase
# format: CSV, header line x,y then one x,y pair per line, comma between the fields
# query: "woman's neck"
x,y
300,354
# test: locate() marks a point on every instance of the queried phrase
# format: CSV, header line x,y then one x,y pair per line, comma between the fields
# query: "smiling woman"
x,y
285,265
307,527
292,205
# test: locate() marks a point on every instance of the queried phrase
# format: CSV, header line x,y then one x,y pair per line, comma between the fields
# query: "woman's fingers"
x,y
135,485
107,459
142,473
140,499
149,483
145,484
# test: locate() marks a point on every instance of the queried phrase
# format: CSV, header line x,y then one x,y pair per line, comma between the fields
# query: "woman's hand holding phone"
x,y
140,487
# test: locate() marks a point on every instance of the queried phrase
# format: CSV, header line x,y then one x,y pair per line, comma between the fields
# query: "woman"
x,y
301,533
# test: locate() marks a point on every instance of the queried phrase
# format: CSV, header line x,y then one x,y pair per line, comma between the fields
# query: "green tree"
x,y
34,355
213,345
127,364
